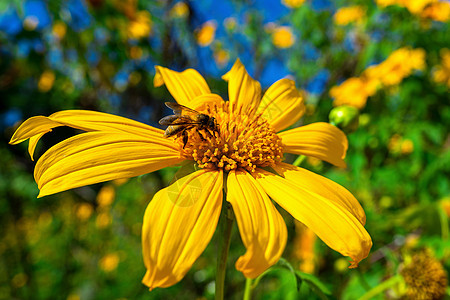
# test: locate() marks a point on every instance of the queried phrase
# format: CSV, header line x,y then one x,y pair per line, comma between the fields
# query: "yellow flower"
x,y
400,64
293,3
84,211
140,26
179,10
105,196
221,57
282,37
305,240
181,219
59,29
416,6
349,14
46,81
109,262
442,73
438,11
206,33
354,92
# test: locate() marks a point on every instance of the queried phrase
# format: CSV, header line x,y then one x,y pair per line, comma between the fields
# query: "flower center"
x,y
241,141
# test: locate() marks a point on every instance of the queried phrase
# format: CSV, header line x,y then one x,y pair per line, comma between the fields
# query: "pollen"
x,y
240,141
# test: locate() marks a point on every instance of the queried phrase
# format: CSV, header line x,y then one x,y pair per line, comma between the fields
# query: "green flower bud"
x,y
345,117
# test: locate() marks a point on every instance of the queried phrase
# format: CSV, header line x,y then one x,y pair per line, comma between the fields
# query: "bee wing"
x,y
179,109
177,120
166,121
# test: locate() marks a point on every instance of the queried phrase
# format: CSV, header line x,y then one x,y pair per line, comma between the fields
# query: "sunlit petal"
x,y
201,102
282,104
35,127
243,91
333,223
100,156
262,228
322,186
183,86
178,225
320,140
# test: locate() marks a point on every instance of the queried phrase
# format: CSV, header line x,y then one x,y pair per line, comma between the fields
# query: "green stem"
x,y
248,289
299,160
226,224
382,287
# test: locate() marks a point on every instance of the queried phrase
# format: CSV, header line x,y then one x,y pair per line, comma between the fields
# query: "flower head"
x,y
206,33
425,277
141,26
346,15
242,155
441,73
283,37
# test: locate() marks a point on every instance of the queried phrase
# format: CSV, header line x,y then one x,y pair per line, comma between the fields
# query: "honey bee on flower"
x,y
235,162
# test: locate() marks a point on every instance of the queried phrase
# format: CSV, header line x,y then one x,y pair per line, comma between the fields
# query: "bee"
x,y
185,118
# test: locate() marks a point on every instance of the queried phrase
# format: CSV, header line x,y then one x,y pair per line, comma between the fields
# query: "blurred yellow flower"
x,y
283,37
346,15
59,29
438,11
103,219
400,64
181,219
179,10
304,243
84,211
140,26
407,146
293,3
105,196
441,74
109,262
206,33
221,57
354,92
431,9
46,81
415,6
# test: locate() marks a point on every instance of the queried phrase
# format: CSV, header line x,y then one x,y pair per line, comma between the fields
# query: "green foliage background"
x,y
47,251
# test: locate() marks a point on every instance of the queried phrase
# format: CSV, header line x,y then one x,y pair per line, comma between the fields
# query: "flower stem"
x,y
248,289
382,287
226,224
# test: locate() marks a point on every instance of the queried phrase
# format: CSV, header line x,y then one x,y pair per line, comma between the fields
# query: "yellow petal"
x,y
262,228
100,156
178,225
320,140
35,127
183,86
282,104
33,143
332,223
243,91
322,186
200,103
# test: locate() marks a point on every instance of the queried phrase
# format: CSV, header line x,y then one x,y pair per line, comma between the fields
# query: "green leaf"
x,y
314,284
287,265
